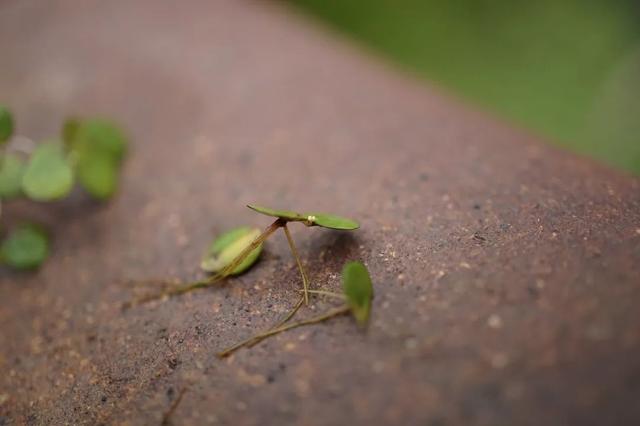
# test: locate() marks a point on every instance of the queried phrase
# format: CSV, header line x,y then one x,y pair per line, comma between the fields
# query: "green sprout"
x,y
90,153
357,293
234,252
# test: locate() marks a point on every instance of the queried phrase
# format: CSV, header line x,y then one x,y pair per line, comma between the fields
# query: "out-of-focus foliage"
x,y
49,175
565,68
26,247
6,124
90,153
97,147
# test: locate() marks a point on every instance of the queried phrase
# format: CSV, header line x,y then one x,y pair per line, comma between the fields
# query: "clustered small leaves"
x,y
237,250
89,152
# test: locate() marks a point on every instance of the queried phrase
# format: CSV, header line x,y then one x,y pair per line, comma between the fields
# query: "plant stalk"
x,y
294,251
320,318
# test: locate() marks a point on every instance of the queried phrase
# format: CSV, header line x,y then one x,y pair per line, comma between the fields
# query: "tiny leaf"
x,y
332,221
25,248
48,175
6,124
98,175
310,219
226,248
12,169
95,137
283,214
357,287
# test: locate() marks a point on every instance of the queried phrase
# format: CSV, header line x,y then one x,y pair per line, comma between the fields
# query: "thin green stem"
x,y
290,314
250,341
256,340
327,293
207,282
320,318
294,251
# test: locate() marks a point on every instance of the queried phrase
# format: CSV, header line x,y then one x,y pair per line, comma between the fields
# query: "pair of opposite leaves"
x,y
356,281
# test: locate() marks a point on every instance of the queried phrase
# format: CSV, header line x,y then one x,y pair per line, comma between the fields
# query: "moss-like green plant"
x,y
90,153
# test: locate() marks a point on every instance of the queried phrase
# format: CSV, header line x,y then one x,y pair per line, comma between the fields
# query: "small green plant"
x,y
236,250
89,152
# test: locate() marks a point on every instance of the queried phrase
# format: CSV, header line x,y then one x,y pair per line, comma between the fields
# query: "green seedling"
x,y
309,219
357,293
217,260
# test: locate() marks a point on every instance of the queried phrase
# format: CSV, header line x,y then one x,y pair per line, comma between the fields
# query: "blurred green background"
x,y
566,69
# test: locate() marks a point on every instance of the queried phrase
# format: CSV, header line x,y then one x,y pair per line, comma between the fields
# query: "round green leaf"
x,y
48,175
356,284
282,214
25,248
228,246
6,124
310,219
12,169
98,175
97,147
95,137
332,221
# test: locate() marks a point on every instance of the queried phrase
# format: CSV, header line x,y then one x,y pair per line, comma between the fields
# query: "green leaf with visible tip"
x,y
310,219
25,248
332,221
282,214
98,175
228,246
357,287
6,124
12,169
48,175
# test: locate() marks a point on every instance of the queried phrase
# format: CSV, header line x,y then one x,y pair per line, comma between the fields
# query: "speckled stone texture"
x,y
507,273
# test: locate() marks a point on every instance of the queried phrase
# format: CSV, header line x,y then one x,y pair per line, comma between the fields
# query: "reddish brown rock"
x,y
507,273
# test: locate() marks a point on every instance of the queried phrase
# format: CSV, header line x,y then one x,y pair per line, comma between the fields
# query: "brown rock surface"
x,y
507,273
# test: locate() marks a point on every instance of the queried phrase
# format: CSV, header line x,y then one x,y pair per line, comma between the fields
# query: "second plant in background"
x,y
89,152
